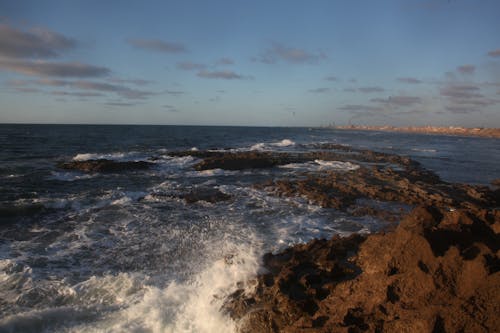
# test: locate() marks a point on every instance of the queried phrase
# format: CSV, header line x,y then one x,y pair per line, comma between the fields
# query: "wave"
x,y
320,165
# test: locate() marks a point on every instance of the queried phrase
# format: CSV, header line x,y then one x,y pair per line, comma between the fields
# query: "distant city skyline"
x,y
251,63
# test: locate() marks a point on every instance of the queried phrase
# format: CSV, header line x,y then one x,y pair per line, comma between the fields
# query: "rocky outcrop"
x,y
437,272
104,165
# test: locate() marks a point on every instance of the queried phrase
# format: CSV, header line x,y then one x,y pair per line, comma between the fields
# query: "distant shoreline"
x,y
452,130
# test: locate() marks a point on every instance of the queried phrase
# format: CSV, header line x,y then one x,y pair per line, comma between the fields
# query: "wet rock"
x,y
104,165
211,195
438,271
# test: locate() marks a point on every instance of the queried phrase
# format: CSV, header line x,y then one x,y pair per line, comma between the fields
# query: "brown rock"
x,y
403,281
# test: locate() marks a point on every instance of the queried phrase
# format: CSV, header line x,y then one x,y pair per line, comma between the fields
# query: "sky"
x,y
251,63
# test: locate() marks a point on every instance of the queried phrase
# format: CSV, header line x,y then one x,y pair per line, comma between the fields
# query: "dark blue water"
x,y
121,252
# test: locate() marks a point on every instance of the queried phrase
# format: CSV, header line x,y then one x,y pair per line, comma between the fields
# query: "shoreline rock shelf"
x,y
437,271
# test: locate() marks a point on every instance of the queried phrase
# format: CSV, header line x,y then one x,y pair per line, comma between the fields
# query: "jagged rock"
x,y
104,165
439,271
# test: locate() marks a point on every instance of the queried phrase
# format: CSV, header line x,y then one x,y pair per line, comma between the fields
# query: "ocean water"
x,y
92,252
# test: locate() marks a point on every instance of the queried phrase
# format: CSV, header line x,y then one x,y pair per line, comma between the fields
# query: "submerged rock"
x,y
104,165
205,194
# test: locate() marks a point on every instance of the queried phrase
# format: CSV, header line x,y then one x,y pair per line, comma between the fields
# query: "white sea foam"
x,y
117,156
284,143
424,150
320,165
71,176
270,146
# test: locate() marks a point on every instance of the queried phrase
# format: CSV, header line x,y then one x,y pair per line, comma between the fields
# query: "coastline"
x,y
451,130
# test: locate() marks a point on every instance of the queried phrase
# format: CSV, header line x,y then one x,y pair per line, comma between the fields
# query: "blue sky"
x,y
271,63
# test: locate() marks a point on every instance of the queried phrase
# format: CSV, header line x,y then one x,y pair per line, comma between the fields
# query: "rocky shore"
x,y
451,130
435,267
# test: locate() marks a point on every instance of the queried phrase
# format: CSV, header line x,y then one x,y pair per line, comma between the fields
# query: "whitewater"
x,y
124,252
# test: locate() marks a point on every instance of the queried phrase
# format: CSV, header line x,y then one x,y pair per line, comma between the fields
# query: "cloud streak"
x,y
189,66
36,43
289,54
466,69
368,90
157,45
494,53
319,90
398,101
225,75
56,69
409,80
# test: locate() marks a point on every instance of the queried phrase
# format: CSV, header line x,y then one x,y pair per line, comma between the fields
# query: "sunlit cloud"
x,y
368,90
289,54
37,42
188,66
157,45
494,53
226,75
466,69
319,90
58,69
410,80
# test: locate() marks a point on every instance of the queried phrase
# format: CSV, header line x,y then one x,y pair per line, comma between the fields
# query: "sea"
x,y
123,252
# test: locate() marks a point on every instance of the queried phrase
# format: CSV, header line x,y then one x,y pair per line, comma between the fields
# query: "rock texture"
x,y
437,272
104,165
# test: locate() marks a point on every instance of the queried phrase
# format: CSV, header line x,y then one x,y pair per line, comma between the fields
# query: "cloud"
x,y
410,80
398,101
331,78
319,90
494,53
170,108
226,75
461,109
466,69
461,91
76,94
173,92
349,90
61,69
225,61
27,90
37,42
137,82
360,108
157,45
99,87
368,90
289,54
120,104
188,66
